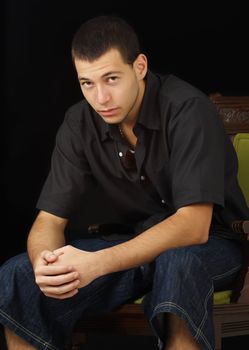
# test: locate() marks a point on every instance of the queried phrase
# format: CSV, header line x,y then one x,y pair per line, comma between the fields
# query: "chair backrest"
x,y
241,144
234,112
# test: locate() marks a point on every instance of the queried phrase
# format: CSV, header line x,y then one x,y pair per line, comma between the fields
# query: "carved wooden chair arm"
x,y
241,227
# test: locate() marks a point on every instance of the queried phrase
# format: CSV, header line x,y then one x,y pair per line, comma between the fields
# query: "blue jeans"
x,y
179,281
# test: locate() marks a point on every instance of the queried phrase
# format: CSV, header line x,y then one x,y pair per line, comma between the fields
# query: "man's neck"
x,y
126,131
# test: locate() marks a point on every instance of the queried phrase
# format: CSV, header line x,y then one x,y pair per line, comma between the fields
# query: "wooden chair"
x,y
231,318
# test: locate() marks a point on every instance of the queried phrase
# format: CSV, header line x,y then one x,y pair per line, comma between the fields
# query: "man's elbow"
x,y
202,235
198,234
198,218
201,230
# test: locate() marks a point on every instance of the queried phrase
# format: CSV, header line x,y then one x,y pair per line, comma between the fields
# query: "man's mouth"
x,y
108,112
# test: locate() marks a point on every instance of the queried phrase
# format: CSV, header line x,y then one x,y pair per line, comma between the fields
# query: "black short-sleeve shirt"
x,y
183,156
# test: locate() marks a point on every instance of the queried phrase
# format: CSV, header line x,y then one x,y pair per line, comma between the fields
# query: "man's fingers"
x,y
57,280
49,256
62,296
61,289
53,270
59,251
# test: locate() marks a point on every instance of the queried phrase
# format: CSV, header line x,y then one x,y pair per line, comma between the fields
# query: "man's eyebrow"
x,y
103,76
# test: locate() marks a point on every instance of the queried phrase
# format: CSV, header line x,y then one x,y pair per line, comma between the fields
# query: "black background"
x,y
203,42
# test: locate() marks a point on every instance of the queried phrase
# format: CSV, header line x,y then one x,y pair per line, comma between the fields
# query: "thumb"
x,y
49,256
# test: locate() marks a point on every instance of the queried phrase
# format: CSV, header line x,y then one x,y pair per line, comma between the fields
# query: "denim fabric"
x,y
47,323
184,282
180,281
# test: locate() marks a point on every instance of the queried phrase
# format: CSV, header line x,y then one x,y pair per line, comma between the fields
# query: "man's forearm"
x,y
47,233
176,231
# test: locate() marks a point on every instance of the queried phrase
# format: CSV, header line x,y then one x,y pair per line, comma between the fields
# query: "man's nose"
x,y
102,96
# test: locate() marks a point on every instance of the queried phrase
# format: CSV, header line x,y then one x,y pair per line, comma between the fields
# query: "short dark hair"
x,y
102,33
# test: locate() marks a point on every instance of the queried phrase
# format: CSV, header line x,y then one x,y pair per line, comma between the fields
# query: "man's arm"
x,y
47,235
188,226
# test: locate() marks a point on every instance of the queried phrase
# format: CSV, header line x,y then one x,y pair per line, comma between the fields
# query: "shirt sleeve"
x,y
196,140
70,175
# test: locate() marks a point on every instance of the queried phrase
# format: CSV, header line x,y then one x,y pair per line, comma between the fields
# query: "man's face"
x,y
113,88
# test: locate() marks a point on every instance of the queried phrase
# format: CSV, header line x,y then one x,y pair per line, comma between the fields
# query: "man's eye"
x,y
112,79
86,84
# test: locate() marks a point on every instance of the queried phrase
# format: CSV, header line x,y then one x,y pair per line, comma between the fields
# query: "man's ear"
x,y
141,66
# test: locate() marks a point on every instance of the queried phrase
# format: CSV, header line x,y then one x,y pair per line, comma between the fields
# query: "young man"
x,y
157,146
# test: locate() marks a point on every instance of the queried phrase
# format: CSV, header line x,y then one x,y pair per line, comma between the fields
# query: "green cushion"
x,y
138,301
241,145
222,297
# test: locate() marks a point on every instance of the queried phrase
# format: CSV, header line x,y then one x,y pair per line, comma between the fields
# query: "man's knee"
x,y
175,258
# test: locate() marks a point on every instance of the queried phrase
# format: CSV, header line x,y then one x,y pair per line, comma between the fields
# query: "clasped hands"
x,y
60,273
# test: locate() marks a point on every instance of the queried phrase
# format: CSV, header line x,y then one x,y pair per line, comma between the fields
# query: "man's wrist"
x,y
106,262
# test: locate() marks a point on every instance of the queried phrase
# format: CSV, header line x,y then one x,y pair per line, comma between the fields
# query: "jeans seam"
x,y
227,273
26,331
198,330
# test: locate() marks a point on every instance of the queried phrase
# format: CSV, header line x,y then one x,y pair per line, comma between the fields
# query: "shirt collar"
x,y
149,115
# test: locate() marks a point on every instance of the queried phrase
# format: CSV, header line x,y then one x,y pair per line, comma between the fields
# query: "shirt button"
x,y
142,177
163,201
120,154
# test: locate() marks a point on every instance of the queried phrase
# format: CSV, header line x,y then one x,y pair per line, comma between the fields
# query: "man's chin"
x,y
112,120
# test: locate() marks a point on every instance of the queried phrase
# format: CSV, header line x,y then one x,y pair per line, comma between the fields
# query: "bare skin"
x,y
14,342
179,336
